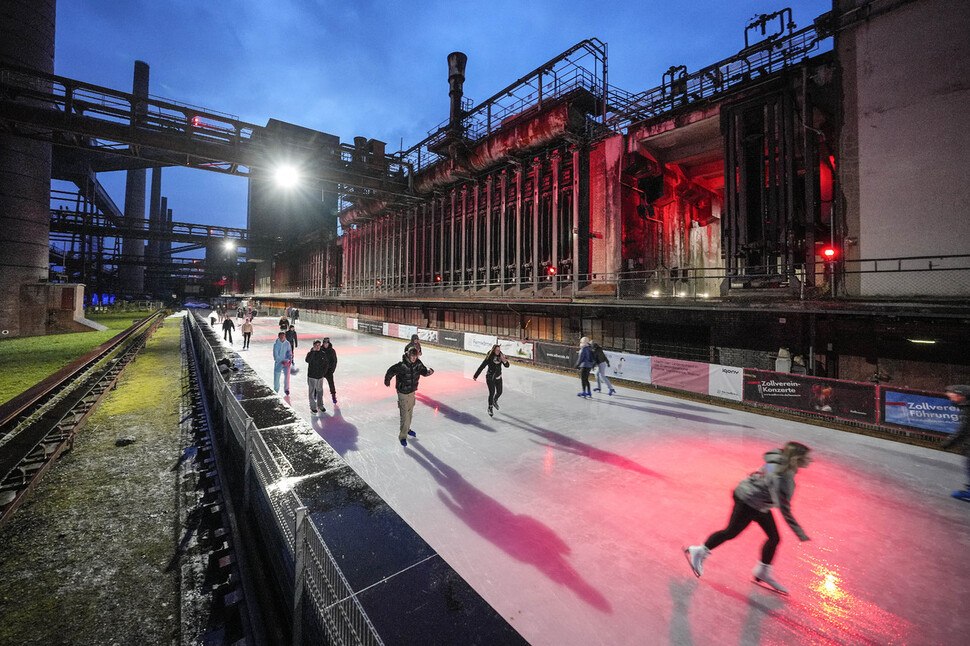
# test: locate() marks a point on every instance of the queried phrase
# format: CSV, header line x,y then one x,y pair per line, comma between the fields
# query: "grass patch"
x,y
24,361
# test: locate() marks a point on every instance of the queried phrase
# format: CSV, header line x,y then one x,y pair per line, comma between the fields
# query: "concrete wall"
x,y
905,149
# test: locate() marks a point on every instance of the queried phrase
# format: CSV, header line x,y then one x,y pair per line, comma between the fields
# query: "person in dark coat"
x,y
602,363
415,342
227,327
317,366
960,397
406,374
293,341
494,361
331,366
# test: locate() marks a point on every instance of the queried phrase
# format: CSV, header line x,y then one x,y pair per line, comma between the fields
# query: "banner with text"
x,y
406,331
479,343
727,382
633,367
918,409
684,375
831,397
370,327
431,336
451,338
552,354
390,329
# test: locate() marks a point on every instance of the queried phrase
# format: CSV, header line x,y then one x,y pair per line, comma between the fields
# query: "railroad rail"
x,y
40,424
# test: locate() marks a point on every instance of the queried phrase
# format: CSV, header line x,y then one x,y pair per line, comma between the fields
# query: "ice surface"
x,y
568,515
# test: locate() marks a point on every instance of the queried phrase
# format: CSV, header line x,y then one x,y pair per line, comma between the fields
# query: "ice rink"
x,y
568,515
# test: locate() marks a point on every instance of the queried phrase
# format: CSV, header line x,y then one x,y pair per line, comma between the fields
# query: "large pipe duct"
x,y
456,79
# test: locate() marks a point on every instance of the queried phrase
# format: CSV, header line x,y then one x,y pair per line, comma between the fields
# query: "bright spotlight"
x,y
229,245
287,176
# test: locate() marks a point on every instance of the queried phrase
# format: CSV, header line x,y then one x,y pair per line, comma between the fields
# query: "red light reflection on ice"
x,y
859,620
549,460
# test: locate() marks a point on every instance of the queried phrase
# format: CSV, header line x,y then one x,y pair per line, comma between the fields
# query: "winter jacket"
x,y
407,375
494,363
282,351
247,328
228,325
319,364
331,356
585,358
766,488
291,337
413,343
599,356
961,439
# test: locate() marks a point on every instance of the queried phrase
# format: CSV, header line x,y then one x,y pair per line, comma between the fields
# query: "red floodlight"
x,y
437,279
551,270
828,253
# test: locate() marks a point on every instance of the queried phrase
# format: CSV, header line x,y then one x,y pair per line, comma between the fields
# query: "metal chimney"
x,y
456,78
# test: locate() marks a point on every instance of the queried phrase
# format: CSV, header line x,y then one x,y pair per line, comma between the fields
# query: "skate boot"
x,y
612,390
495,404
696,555
490,414
962,495
334,397
762,575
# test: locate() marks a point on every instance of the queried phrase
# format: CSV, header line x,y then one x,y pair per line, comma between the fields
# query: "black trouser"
x,y
246,336
227,334
584,378
741,517
329,378
494,389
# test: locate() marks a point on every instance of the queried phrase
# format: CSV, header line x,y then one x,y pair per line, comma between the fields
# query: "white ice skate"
x,y
762,576
696,554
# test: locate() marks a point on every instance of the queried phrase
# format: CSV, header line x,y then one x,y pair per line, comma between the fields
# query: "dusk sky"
x,y
368,68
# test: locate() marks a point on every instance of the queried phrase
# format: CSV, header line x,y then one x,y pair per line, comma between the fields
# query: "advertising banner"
x,y
479,343
727,382
684,375
451,338
831,397
633,367
351,323
552,354
517,349
406,331
919,410
431,336
389,329
370,327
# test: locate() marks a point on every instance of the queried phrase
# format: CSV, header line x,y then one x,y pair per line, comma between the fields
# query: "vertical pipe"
x,y
133,248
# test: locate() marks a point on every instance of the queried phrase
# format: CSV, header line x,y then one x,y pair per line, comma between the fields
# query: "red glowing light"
x,y
828,253
437,279
551,270
196,121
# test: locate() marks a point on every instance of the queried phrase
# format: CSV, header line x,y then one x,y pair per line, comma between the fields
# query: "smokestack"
x,y
456,78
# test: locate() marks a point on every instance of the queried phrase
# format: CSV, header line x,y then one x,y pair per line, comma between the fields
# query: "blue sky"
x,y
369,68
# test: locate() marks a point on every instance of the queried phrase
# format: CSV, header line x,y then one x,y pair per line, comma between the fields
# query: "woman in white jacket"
x,y
770,486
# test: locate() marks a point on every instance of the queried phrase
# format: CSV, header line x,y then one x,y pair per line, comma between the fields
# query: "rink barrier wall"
x,y
311,512
896,411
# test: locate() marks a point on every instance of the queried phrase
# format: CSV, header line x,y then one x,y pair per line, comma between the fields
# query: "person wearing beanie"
x,y
331,366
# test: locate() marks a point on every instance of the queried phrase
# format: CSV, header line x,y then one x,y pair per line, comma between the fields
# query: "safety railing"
x,y
320,592
945,276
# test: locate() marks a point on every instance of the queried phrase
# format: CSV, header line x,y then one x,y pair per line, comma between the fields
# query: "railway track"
x,y
40,424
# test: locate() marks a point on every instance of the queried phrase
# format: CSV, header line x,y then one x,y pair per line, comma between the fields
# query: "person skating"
x,y
960,397
291,337
494,361
247,332
331,366
602,363
317,366
770,486
282,358
585,364
406,373
415,342
227,327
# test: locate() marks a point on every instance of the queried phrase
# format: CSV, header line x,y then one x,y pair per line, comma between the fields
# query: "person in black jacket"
x,y
317,366
494,361
291,337
227,327
406,374
602,363
415,342
331,366
960,396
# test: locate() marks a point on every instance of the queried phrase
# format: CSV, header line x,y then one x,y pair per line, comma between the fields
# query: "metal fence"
x,y
916,277
322,600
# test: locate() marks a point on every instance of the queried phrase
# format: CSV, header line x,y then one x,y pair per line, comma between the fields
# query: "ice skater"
x,y
227,327
406,373
585,364
494,361
960,396
602,363
415,342
291,337
317,366
282,358
247,332
770,486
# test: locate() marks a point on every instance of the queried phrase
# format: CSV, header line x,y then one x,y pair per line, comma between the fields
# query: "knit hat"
x,y
584,342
